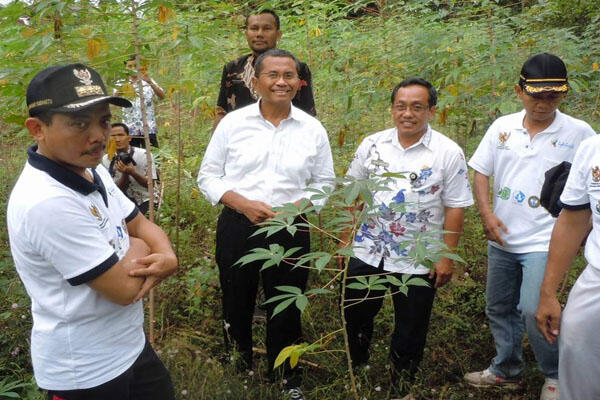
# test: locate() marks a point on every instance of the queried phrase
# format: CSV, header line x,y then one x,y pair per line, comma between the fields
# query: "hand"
x,y
492,226
548,317
257,211
443,272
155,268
125,168
145,76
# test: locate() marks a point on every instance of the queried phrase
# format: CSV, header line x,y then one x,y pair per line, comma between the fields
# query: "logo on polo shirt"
x,y
519,197
533,201
95,212
503,138
598,206
596,174
557,143
504,193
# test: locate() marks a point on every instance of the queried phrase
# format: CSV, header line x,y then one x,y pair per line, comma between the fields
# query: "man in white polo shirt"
x,y
577,331
261,156
83,251
432,193
516,150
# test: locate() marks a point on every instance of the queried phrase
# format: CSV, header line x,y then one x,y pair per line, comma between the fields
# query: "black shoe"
x,y
293,394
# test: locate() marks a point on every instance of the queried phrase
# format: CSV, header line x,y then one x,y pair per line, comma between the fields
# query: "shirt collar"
x,y
555,126
254,111
65,176
425,140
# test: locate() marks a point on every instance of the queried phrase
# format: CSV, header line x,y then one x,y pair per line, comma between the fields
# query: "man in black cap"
x,y
262,32
517,150
82,249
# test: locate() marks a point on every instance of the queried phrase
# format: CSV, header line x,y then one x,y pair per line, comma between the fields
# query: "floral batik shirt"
x,y
434,176
132,116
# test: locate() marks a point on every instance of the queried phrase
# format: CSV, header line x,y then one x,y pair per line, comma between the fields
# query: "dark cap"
x,y
544,73
68,88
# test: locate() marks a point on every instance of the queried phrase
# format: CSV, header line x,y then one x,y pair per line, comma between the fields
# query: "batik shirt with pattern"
x,y
132,116
237,92
434,176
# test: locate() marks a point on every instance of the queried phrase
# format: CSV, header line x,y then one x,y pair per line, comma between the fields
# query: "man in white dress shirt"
x,y
262,156
430,196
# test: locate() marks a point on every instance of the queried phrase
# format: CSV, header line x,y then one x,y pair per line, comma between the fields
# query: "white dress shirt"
x,y
274,164
434,177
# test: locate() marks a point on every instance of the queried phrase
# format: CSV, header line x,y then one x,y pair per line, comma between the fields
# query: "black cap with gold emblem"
x,y
68,88
544,73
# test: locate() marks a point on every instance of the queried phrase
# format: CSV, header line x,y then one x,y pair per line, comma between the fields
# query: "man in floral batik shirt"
x,y
132,117
428,197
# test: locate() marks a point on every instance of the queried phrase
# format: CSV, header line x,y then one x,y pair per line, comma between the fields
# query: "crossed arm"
x,y
149,260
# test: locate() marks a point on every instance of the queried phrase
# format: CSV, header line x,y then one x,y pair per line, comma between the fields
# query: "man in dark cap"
x,y
82,249
262,32
517,150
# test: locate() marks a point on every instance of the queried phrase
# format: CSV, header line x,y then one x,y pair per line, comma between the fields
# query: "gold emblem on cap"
x,y
88,89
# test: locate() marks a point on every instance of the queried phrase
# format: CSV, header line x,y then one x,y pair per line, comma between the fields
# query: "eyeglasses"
x,y
416,108
274,76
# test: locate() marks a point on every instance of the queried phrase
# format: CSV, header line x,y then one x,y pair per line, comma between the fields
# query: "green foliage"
x,y
472,52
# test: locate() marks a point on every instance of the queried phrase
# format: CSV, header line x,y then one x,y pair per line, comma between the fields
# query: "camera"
x,y
125,158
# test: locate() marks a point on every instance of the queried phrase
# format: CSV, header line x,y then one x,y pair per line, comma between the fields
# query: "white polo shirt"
x,y
65,231
518,164
582,190
274,164
434,177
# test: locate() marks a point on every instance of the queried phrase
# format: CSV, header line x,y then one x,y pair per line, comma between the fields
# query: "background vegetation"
x,y
471,50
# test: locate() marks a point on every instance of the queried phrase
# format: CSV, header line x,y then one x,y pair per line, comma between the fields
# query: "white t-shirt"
x,y
64,232
435,176
518,164
582,190
273,164
135,191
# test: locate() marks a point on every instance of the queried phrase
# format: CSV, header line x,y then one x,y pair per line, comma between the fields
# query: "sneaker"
x,y
550,390
486,378
293,394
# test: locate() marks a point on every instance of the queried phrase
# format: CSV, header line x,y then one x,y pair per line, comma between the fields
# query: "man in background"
x,y
262,32
129,167
132,117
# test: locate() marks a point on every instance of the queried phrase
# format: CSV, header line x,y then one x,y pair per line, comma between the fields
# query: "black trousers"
x,y
146,379
239,285
411,319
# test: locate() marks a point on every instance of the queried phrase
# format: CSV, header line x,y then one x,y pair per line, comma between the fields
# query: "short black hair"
x,y
432,101
44,115
131,58
274,53
265,11
122,125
